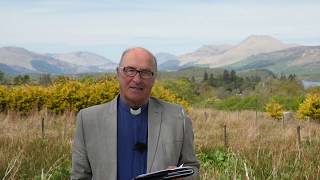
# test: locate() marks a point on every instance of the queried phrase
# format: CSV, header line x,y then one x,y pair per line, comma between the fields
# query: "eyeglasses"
x,y
131,71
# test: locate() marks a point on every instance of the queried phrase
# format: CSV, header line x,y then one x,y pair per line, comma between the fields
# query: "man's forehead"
x,y
138,53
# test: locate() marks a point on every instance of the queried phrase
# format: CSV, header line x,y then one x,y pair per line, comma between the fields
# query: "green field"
x,y
254,146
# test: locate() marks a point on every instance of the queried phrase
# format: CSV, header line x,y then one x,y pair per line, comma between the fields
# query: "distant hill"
x,y
203,53
301,60
218,56
167,62
82,58
86,61
16,60
254,52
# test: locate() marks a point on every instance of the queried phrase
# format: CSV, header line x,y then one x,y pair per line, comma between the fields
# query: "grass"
x,y
25,154
257,147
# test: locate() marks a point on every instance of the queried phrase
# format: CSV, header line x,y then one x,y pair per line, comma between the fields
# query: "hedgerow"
x,y
68,95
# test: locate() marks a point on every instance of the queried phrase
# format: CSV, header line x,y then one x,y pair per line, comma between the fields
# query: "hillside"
x,y
203,53
82,58
252,45
198,73
303,60
255,52
167,62
16,60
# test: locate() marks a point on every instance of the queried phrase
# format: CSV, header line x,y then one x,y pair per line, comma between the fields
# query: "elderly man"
x,y
134,133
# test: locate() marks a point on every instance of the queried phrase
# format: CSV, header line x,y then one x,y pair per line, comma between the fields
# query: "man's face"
x,y
135,91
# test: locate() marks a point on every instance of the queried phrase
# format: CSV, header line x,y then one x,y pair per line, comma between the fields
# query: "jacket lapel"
x,y
110,127
154,127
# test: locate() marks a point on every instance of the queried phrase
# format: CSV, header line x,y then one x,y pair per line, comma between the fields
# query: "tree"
x,y
26,79
18,80
283,76
181,88
205,76
1,76
193,79
226,76
292,77
233,75
45,79
211,80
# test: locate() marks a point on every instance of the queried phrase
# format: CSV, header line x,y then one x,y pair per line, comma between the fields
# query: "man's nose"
x,y
137,77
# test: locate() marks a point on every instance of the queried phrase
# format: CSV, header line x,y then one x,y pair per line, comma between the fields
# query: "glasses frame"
x,y
142,73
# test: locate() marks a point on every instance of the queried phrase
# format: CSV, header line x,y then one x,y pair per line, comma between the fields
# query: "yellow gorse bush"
x,y
25,98
3,98
65,96
72,95
68,95
274,110
310,107
164,94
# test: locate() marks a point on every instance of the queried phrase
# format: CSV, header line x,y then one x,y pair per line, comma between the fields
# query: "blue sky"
x,y
178,26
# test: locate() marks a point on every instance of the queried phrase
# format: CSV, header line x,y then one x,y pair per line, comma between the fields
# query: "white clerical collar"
x,y
135,112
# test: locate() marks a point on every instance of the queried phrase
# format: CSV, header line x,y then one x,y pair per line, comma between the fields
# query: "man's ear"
x,y
117,72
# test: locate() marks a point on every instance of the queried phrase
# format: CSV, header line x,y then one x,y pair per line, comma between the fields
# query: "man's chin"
x,y
137,102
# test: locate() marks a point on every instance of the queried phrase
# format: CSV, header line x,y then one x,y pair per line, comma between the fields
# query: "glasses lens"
x,y
130,71
146,74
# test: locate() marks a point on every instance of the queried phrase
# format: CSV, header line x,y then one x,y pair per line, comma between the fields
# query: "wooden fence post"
x,y
256,110
283,121
238,114
225,136
42,127
205,115
299,136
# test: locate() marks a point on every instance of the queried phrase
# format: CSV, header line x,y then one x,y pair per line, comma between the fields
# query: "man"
x,y
134,133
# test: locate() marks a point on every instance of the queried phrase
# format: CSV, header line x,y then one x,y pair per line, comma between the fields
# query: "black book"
x,y
167,174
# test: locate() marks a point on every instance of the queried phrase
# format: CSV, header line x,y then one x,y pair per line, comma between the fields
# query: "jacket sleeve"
x,y
188,157
80,164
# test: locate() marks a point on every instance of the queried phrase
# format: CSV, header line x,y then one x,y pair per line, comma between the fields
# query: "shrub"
x,y
69,95
310,107
224,162
165,94
3,98
274,110
25,98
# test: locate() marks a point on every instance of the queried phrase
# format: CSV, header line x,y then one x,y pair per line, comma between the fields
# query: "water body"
x,y
308,84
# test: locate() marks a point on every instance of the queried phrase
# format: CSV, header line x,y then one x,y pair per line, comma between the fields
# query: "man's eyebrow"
x,y
129,67
146,70
139,69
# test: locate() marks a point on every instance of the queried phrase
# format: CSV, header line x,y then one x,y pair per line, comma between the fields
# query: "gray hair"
x,y
147,51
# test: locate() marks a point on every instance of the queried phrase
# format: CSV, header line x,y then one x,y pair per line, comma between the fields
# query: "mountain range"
x,y
218,56
254,52
292,60
16,60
